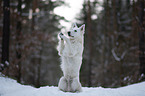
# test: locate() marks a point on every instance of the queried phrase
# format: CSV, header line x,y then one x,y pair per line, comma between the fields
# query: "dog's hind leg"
x,y
76,85
62,85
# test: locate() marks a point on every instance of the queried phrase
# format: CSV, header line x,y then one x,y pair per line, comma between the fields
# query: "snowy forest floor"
x,y
10,87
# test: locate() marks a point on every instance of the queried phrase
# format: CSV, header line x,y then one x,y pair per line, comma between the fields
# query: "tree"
x,y
142,38
90,44
19,38
6,35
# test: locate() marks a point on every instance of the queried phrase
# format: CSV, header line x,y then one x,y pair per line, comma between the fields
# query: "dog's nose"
x,y
68,33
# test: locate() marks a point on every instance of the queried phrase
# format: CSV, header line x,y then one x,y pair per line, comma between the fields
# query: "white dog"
x,y
70,49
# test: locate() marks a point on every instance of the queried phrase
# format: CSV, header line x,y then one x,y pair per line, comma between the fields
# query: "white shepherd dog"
x,y
70,49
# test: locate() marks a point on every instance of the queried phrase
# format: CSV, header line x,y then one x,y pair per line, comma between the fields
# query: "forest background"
x,y
114,41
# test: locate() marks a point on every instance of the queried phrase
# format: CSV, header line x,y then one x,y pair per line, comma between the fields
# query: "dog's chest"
x,y
73,47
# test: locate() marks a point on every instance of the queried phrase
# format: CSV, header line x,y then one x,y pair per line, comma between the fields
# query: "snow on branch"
x,y
123,54
116,57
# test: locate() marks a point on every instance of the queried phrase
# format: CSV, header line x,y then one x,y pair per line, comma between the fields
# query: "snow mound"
x,y
9,87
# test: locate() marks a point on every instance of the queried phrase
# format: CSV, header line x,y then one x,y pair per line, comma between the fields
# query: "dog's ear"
x,y
74,25
82,28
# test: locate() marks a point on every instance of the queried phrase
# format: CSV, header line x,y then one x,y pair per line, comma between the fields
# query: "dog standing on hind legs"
x,y
70,48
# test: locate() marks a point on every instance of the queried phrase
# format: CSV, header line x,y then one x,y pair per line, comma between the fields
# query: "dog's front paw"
x,y
61,36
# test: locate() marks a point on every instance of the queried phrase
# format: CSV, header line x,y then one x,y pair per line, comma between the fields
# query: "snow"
x,y
9,87
7,63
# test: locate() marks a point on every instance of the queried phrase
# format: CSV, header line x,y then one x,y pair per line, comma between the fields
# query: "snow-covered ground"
x,y
9,87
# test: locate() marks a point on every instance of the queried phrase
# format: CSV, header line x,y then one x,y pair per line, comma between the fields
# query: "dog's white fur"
x,y
70,49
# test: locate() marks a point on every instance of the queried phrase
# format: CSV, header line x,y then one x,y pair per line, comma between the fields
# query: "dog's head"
x,y
76,32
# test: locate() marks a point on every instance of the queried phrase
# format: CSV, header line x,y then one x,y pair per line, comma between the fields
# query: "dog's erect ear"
x,y
74,25
82,28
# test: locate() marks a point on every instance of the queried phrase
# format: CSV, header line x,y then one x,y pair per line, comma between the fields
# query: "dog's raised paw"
x,y
61,35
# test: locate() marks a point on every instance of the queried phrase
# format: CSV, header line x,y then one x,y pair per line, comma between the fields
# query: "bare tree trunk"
x,y
141,38
115,24
1,7
115,5
38,84
6,34
18,37
34,6
90,45
105,42
37,61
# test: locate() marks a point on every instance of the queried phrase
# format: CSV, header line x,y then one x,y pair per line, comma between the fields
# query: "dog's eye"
x,y
75,30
